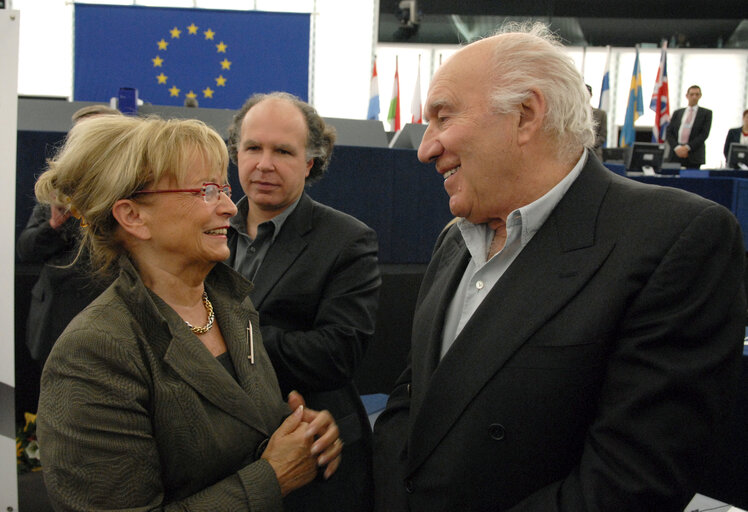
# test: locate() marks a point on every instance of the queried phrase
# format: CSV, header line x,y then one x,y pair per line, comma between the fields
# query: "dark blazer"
x,y
733,135
595,374
62,290
136,414
316,292
696,139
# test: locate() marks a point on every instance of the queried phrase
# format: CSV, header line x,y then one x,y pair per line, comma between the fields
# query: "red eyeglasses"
x,y
210,191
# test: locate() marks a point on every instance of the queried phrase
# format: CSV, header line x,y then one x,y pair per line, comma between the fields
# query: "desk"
x,y
730,192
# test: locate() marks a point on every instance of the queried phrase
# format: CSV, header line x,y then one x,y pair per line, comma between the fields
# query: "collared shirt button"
x,y
479,285
409,486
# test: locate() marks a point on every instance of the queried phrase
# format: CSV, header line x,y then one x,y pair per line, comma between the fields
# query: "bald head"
x,y
510,65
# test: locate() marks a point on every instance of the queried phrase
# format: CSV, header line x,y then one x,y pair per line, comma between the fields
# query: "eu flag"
x,y
217,57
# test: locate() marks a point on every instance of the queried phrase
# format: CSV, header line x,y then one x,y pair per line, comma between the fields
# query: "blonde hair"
x,y
94,110
109,158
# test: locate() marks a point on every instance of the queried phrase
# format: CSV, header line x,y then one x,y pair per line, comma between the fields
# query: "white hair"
x,y
529,57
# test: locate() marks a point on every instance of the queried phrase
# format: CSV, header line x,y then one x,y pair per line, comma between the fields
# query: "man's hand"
x,y
59,215
681,151
321,425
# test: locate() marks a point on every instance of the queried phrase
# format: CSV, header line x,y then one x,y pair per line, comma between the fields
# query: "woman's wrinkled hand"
x,y
289,452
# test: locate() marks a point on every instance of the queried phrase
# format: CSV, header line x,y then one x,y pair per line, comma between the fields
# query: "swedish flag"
x,y
216,57
635,107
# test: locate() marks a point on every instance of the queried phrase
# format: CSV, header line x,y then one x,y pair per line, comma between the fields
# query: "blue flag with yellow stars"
x,y
216,57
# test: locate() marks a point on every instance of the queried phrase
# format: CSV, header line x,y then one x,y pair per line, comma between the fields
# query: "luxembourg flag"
x,y
416,109
605,88
393,115
660,102
373,112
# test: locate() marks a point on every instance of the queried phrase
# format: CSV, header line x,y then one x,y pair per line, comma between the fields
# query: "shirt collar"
x,y
528,218
532,216
239,221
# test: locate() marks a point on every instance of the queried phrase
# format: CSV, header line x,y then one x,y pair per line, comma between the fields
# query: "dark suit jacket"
x,y
733,135
62,290
699,133
136,414
316,292
595,374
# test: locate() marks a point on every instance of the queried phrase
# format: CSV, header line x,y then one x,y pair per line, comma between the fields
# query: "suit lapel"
x,y
202,372
428,327
557,262
286,248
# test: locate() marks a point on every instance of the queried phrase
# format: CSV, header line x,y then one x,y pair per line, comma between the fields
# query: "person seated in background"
x,y
688,130
63,288
315,275
600,125
737,135
160,395
576,344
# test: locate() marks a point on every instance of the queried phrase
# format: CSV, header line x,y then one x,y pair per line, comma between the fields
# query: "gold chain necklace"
x,y
211,317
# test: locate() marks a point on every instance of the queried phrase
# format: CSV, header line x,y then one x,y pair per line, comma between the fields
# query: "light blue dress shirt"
x,y
481,275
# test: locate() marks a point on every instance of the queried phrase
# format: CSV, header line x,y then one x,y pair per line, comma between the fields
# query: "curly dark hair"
x,y
320,136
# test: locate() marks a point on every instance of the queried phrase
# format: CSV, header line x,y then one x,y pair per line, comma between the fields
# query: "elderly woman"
x,y
160,395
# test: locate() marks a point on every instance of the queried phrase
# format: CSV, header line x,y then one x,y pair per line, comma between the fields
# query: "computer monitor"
x,y
737,155
644,157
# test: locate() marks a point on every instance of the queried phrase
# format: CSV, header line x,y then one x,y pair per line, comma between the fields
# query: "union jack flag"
x,y
660,102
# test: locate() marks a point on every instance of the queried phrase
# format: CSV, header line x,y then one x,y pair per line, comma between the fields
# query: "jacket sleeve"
x,y
671,132
671,380
325,356
98,446
39,241
698,139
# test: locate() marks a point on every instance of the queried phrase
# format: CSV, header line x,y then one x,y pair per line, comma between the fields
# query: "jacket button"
x,y
496,431
409,487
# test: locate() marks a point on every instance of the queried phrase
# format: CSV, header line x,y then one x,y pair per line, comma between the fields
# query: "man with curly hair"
x,y
316,278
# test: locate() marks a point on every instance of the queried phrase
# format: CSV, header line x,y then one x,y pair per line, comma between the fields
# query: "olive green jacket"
x,y
136,414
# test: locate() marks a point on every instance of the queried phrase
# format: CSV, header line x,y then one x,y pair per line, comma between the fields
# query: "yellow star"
x,y
220,81
225,64
157,62
162,44
209,34
221,47
174,91
175,33
161,78
208,92
191,95
192,29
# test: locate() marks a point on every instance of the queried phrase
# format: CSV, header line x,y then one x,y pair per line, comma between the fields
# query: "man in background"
x,y
737,135
577,338
316,279
688,130
62,291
